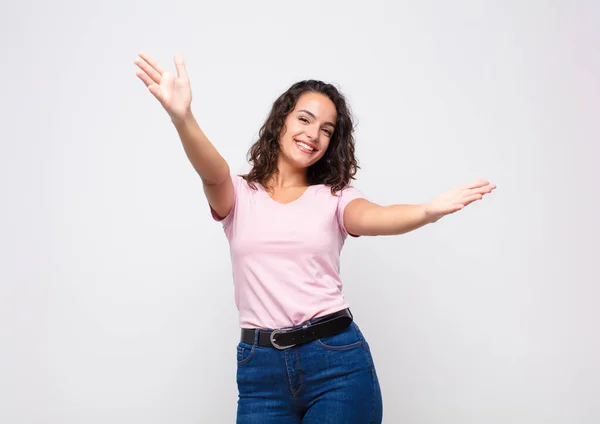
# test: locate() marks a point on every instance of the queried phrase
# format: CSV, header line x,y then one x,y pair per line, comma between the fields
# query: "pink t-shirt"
x,y
286,257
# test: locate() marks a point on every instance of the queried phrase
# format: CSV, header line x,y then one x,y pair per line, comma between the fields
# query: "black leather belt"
x,y
285,338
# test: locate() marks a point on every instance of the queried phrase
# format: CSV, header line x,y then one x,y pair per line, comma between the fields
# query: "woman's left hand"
x,y
457,198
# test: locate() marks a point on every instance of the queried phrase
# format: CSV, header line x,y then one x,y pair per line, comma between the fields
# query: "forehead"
x,y
318,104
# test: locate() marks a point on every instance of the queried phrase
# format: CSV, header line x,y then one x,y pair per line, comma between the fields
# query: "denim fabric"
x,y
327,381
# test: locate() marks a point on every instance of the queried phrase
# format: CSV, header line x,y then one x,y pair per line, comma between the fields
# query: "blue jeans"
x,y
327,381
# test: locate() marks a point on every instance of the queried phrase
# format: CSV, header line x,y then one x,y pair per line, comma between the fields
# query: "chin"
x,y
302,163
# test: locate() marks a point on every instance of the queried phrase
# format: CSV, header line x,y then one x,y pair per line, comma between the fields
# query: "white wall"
x,y
116,302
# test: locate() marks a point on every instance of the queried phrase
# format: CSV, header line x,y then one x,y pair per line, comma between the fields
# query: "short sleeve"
x,y
237,181
346,195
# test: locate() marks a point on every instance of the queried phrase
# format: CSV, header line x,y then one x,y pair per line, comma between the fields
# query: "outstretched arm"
x,y
175,95
362,217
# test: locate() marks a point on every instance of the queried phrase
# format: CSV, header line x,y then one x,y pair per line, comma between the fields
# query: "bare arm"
x,y
362,217
175,95
208,163
365,218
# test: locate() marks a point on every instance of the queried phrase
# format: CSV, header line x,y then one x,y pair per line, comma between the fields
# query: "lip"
x,y
307,143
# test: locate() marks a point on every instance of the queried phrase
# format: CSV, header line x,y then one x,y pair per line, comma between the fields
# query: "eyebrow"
x,y
313,116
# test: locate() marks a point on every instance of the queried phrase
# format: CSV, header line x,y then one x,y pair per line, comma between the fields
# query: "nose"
x,y
313,132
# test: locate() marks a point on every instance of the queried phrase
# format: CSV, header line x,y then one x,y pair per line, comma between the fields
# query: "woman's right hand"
x,y
173,92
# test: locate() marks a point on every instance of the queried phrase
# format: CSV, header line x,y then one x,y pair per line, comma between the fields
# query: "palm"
x,y
176,94
457,198
173,92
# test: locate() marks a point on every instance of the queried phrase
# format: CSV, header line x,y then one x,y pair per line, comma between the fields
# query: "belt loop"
x,y
256,336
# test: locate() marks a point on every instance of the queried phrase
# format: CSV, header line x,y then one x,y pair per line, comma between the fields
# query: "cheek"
x,y
321,153
293,131
285,136
288,131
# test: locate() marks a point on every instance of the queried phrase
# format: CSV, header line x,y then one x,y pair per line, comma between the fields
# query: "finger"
x,y
180,66
152,62
144,77
475,184
470,199
154,88
156,92
481,190
149,70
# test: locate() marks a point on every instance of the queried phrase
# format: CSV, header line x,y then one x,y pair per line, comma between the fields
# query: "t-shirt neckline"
x,y
266,193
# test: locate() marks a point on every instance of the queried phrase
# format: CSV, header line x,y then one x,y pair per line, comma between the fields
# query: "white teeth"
x,y
306,146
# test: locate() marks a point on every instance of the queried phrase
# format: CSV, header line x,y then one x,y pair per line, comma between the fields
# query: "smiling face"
x,y
307,131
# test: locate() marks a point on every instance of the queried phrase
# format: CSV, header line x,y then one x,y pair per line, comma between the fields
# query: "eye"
x,y
328,132
303,119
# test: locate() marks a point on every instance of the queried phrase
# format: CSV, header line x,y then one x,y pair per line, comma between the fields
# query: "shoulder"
x,y
343,196
241,184
348,190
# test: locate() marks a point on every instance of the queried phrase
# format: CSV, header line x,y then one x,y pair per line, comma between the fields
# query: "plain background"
x,y
116,301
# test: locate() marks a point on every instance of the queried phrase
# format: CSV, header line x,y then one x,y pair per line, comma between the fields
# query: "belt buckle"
x,y
273,334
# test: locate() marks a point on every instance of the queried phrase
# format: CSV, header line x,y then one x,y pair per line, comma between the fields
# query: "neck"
x,y
287,176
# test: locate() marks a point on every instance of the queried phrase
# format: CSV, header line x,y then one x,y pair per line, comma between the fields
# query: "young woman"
x,y
301,358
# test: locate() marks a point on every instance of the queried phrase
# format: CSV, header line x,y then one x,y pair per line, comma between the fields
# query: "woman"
x,y
301,358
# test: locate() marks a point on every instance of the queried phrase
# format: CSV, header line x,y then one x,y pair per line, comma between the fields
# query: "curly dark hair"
x,y
337,166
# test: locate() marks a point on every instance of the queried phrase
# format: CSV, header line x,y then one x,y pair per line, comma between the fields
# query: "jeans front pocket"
x,y
347,339
244,352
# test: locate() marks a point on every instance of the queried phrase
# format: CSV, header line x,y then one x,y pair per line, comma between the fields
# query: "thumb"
x,y
180,66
